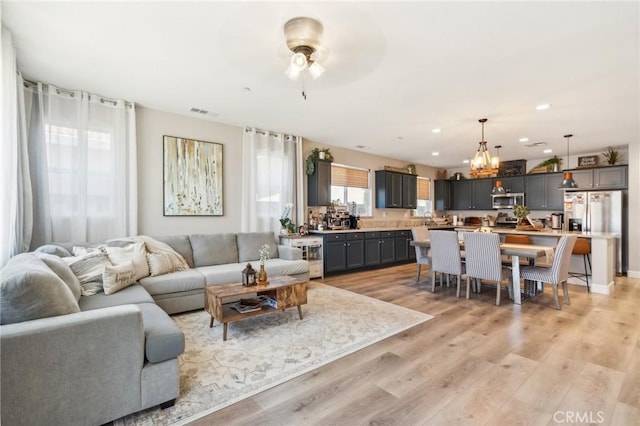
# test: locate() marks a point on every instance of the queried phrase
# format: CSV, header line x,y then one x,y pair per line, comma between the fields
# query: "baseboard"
x,y
633,274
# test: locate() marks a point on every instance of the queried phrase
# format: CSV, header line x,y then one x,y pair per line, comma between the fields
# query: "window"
x,y
424,197
351,185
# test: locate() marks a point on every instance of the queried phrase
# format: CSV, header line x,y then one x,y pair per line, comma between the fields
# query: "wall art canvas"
x,y
192,177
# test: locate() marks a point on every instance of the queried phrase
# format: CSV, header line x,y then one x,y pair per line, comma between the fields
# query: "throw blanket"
x,y
158,247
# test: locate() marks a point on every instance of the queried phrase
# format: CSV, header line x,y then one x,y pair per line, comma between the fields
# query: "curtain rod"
x,y
73,93
265,132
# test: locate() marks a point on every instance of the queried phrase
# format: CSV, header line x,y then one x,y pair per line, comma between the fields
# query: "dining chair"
x,y
558,273
422,253
445,257
484,262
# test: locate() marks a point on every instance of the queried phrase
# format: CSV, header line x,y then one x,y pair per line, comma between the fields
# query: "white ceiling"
x,y
394,71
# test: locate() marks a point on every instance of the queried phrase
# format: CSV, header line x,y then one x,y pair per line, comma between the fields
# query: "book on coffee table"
x,y
243,309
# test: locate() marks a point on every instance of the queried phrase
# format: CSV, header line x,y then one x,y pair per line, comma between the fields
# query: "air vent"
x,y
534,144
199,111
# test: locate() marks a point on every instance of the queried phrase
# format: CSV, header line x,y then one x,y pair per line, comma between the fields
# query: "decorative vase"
x,y
262,275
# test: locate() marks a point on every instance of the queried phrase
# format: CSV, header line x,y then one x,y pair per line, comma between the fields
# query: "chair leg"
x,y
468,282
458,286
555,295
498,291
478,285
419,269
433,281
586,257
565,290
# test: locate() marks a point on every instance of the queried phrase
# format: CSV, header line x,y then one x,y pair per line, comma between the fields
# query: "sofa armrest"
x,y
81,368
289,253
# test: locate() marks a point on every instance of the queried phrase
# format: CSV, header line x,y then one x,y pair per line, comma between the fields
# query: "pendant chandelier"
x,y
567,177
482,164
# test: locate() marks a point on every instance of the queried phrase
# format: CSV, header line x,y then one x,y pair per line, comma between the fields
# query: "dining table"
x,y
516,251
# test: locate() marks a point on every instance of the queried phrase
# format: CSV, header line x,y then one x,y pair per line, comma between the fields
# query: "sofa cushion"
x,y
62,270
214,249
29,290
181,244
250,242
53,249
286,267
117,277
134,294
135,252
163,338
223,274
88,269
174,282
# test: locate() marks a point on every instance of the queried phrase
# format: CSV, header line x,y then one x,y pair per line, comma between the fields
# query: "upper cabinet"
x,y
511,183
610,177
442,194
472,194
319,184
396,190
542,193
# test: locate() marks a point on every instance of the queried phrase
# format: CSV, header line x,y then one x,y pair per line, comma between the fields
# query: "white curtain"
x,y
84,168
15,218
271,179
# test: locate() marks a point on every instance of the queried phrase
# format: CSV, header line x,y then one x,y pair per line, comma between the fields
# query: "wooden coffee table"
x,y
286,291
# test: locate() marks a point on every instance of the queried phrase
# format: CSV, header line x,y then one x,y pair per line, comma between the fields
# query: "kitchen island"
x,y
603,253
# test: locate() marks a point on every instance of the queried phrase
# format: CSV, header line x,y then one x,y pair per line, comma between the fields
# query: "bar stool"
x,y
582,247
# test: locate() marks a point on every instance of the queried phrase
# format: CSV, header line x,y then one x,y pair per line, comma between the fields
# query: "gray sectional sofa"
x,y
87,360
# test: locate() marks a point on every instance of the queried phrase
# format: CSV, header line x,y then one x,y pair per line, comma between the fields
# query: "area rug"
x,y
262,352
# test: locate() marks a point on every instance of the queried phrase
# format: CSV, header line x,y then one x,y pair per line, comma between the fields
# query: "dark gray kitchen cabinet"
x,y
343,251
319,184
396,190
442,195
542,193
610,177
379,248
403,249
472,194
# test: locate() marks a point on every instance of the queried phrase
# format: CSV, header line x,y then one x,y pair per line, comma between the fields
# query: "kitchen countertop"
x,y
546,232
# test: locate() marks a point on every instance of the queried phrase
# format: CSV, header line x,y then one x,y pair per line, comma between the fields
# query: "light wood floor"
x,y
474,363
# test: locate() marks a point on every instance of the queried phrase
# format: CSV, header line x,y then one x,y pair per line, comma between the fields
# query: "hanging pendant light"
x,y
567,177
482,164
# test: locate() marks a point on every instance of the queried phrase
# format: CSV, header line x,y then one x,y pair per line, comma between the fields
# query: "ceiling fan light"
x,y
316,70
299,60
292,72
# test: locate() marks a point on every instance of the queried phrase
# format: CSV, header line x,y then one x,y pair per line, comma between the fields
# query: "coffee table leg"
x,y
224,331
300,311
211,322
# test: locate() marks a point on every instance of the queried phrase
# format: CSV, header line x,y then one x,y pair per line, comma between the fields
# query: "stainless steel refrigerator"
x,y
599,211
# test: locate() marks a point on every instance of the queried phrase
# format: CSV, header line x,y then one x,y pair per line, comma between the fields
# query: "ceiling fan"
x,y
303,36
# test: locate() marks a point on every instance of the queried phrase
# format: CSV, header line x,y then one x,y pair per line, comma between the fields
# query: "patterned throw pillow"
x,y
135,253
115,278
88,269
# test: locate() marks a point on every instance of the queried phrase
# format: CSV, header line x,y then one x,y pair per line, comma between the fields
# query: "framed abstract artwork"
x,y
192,177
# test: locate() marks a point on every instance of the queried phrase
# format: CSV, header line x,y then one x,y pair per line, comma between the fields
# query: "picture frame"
x,y
588,161
192,177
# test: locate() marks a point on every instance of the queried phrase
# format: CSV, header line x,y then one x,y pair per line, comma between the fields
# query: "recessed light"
x,y
465,161
246,89
435,153
400,138
542,107
436,130
523,140
548,151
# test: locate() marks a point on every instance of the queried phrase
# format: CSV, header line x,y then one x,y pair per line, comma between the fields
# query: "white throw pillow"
x,y
115,278
136,253
89,269
159,264
78,251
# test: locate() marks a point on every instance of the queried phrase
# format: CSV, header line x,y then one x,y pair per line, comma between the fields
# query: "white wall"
x,y
151,126
634,207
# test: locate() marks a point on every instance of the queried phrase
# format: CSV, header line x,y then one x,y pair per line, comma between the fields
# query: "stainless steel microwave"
x,y
508,200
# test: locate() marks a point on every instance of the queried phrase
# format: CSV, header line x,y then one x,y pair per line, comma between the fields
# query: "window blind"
x,y
348,176
423,188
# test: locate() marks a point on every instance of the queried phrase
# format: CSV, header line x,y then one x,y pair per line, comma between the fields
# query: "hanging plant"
x,y
317,154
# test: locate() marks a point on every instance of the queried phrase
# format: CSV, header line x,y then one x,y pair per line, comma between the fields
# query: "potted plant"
x,y
521,213
552,164
317,154
611,155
